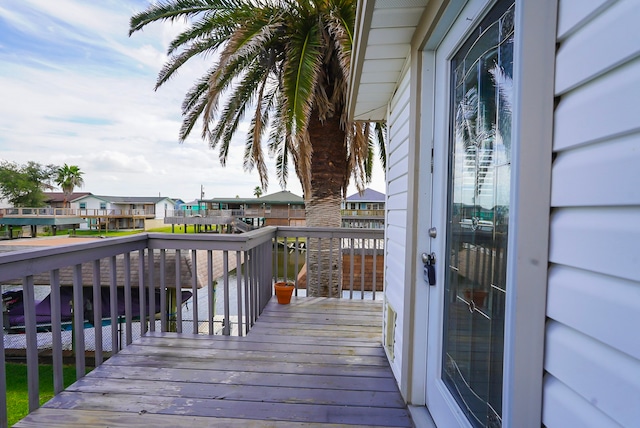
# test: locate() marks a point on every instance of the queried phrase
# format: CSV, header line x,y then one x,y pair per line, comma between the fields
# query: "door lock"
x,y
433,232
429,270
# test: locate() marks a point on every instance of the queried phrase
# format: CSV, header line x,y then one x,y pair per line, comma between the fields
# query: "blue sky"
x,y
76,89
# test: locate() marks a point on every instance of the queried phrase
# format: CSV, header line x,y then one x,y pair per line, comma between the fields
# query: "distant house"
x,y
178,203
364,210
277,209
194,205
281,209
122,212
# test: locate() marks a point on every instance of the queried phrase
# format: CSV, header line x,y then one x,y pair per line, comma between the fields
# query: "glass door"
x,y
475,172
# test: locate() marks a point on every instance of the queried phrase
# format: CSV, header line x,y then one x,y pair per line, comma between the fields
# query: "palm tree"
x,y
68,177
286,65
257,191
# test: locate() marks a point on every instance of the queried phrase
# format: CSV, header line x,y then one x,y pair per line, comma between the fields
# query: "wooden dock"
x,y
315,362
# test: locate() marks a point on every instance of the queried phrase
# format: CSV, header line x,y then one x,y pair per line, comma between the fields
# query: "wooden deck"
x,y
315,362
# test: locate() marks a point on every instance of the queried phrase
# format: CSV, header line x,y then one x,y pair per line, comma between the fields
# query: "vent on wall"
x,y
389,330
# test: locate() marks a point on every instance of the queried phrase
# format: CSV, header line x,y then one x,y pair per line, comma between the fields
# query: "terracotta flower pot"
x,y
284,290
476,298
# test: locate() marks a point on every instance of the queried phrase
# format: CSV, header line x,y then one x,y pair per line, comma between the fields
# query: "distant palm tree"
x,y
68,177
257,191
285,63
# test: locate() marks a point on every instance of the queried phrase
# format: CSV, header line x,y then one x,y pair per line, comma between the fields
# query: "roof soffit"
x,y
382,44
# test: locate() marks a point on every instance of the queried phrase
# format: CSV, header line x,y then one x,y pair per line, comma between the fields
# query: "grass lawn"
x,y
114,233
110,233
17,395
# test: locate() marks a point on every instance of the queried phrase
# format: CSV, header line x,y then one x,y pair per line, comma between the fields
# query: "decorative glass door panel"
x,y
478,217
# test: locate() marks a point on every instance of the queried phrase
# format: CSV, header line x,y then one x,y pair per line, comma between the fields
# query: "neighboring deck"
x,y
316,361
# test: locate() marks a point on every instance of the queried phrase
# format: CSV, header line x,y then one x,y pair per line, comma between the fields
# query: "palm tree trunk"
x,y
328,174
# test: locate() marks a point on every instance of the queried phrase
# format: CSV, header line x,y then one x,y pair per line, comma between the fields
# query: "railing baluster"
x,y
297,252
211,292
362,259
32,342
97,313
194,289
128,310
265,264
152,292
163,291
330,285
226,328
285,263
56,332
253,263
306,255
340,266
351,263
319,266
78,321
141,299
374,284
113,304
239,291
178,262
276,258
247,292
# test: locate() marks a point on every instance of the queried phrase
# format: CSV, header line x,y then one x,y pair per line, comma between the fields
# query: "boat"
x,y
13,304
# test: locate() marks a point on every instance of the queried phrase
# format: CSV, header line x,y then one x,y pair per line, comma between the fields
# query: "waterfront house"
x,y
364,209
512,272
122,212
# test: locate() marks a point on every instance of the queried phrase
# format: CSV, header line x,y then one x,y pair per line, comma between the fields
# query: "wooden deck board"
x,y
315,362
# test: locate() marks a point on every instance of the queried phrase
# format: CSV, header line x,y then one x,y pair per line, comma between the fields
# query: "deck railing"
x,y
326,245
148,270
75,212
362,213
240,212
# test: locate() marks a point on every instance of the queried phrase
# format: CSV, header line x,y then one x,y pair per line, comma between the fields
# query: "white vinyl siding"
x,y
396,203
592,351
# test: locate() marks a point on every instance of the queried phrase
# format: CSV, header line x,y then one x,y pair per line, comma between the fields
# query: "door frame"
x,y
534,65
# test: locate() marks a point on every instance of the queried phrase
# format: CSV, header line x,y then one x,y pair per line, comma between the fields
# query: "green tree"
x,y
286,65
23,185
68,177
257,191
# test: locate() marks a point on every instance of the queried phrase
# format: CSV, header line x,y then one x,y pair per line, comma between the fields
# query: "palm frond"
x,y
304,59
218,26
340,21
239,99
253,149
380,132
193,105
175,62
176,9
243,49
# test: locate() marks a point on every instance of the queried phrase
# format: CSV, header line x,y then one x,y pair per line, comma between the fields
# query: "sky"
x,y
76,89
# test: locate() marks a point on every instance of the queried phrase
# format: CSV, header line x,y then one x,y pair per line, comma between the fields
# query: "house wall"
x,y
161,208
396,222
91,203
592,349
